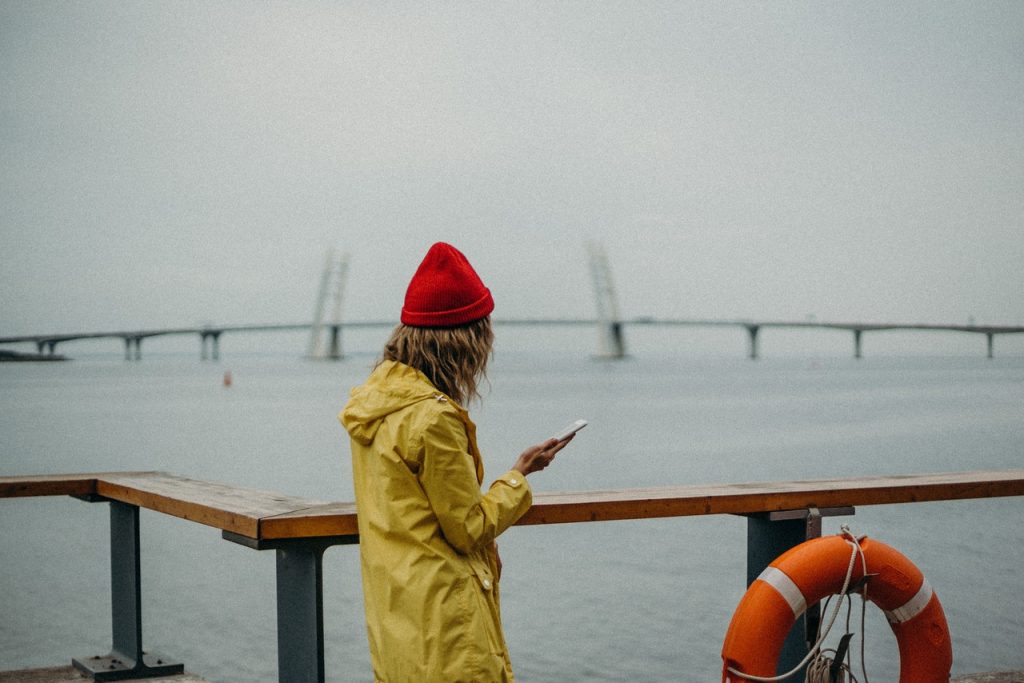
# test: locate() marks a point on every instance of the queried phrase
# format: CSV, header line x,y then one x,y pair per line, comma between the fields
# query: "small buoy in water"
x,y
227,378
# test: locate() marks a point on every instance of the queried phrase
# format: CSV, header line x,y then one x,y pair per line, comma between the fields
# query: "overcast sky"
x,y
172,163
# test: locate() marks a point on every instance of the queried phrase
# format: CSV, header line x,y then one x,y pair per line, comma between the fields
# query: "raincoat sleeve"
x,y
469,519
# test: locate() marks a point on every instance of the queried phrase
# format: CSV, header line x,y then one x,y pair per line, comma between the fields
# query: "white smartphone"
x,y
570,430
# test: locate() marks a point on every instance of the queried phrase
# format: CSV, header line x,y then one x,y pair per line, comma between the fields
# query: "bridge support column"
x,y
129,352
334,348
856,343
126,659
769,534
753,330
990,337
213,351
614,341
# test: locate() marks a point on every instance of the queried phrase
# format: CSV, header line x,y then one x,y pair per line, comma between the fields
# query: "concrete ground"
x,y
69,674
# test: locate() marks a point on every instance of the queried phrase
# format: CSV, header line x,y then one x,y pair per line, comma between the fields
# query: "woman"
x,y
426,530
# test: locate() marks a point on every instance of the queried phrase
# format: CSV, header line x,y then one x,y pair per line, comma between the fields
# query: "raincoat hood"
x,y
391,387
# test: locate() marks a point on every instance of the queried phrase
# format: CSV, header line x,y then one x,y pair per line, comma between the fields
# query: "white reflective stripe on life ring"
x,y
789,591
912,607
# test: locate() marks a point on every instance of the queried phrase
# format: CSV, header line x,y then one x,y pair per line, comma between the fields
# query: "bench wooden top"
x,y
230,508
265,515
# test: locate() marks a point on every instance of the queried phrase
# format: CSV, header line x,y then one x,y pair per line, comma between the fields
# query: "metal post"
x,y
300,602
300,614
856,343
216,345
990,336
126,659
768,536
125,580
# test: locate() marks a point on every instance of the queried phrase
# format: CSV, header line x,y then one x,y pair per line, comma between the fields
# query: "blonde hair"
x,y
454,359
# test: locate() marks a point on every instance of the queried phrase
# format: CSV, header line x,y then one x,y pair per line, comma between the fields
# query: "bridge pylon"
x,y
609,326
331,291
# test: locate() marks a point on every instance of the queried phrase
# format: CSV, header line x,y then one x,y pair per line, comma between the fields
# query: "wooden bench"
x,y
780,515
266,515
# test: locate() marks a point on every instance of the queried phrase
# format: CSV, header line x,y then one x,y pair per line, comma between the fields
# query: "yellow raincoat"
x,y
426,532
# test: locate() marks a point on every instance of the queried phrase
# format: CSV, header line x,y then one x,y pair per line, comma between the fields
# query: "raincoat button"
x,y
514,482
487,584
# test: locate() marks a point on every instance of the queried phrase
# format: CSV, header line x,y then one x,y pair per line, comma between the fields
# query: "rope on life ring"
x,y
821,567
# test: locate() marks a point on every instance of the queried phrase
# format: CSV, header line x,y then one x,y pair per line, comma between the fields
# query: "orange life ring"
x,y
813,570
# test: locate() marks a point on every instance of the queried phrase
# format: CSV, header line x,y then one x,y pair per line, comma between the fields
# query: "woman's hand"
x,y
536,458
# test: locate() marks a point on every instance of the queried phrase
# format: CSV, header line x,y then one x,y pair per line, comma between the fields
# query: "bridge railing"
x,y
780,515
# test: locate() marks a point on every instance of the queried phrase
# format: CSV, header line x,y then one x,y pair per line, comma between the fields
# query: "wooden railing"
x,y
780,514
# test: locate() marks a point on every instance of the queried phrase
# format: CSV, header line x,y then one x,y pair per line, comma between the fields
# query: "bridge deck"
x,y
645,321
266,515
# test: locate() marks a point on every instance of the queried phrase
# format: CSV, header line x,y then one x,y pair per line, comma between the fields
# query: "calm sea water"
x,y
617,601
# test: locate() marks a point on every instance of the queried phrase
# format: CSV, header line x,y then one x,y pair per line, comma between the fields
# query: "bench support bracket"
x,y
126,659
769,534
300,602
300,614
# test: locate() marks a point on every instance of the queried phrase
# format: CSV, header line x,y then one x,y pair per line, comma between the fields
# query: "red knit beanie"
x,y
445,291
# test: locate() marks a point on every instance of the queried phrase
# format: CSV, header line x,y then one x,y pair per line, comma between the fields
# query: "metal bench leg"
x,y
300,613
126,659
300,602
768,536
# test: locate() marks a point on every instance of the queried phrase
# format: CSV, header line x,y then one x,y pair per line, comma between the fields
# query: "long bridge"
x,y
327,325
611,332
